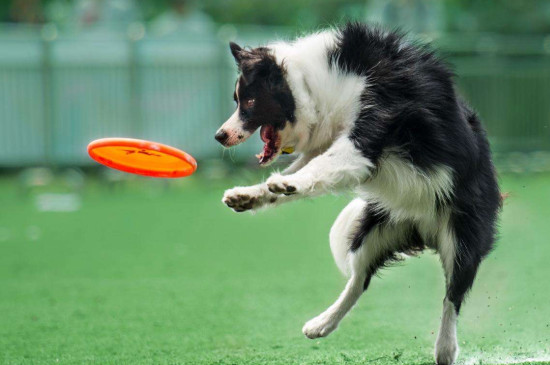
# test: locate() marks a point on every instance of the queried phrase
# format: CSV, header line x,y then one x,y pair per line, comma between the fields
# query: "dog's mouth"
x,y
272,144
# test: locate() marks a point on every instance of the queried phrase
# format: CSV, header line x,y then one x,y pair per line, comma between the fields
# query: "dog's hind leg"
x,y
327,321
357,240
461,248
446,346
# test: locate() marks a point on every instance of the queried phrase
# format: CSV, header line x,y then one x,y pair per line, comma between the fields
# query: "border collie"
x,y
370,112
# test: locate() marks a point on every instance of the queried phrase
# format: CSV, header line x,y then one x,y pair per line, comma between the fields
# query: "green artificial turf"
x,y
162,273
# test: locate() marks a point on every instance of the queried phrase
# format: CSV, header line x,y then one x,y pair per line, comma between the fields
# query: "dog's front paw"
x,y
320,326
287,185
241,199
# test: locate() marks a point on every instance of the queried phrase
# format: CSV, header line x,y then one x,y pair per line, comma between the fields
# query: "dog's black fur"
x,y
402,119
416,109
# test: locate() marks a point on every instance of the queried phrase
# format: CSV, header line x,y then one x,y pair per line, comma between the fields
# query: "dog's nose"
x,y
221,136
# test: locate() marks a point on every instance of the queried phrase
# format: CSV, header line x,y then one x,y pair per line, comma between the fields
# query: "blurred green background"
x,y
101,267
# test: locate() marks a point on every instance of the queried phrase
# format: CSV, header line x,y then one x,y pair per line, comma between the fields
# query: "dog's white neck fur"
x,y
327,100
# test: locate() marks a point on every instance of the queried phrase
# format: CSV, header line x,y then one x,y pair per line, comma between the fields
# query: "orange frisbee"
x,y
142,157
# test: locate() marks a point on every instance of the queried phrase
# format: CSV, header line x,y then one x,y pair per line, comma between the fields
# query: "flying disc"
x,y
142,157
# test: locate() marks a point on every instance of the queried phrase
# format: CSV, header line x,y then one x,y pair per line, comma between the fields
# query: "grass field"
x,y
155,274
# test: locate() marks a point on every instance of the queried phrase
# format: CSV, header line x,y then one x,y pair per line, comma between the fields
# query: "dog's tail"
x,y
475,124
503,197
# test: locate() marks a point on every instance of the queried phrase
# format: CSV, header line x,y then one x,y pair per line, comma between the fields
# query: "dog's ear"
x,y
243,55
259,64
237,52
255,63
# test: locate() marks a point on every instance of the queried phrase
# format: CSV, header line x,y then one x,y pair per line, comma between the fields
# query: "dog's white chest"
x,y
405,191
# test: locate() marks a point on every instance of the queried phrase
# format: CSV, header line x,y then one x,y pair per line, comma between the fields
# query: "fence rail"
x,y
59,92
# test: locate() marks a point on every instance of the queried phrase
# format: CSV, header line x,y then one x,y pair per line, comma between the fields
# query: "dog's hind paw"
x,y
320,326
446,350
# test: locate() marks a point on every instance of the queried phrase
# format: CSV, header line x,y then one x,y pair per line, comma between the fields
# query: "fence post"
x,y
226,33
135,113
48,35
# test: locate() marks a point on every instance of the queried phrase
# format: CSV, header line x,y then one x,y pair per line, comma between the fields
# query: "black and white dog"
x,y
372,113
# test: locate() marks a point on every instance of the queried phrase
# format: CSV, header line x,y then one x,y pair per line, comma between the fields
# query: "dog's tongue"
x,y
266,134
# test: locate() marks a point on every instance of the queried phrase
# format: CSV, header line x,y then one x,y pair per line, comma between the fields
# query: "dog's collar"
x,y
287,150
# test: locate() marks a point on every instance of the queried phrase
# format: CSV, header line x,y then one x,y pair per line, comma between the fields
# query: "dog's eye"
x,y
249,103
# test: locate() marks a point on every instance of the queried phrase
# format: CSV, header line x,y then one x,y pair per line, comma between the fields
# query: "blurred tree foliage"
x,y
298,13
502,16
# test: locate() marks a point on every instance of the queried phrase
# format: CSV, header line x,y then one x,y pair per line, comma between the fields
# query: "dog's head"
x,y
264,100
